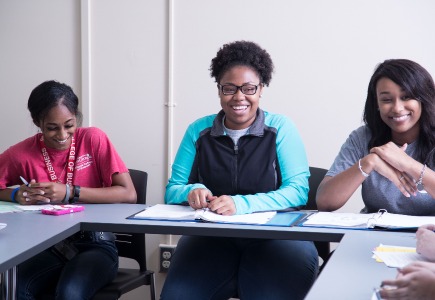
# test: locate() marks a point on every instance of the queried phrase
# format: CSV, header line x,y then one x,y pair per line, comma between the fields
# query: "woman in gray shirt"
x,y
392,155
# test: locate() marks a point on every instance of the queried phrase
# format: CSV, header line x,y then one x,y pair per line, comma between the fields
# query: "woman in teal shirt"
x,y
239,161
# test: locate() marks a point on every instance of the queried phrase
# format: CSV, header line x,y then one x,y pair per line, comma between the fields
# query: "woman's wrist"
x,y
71,187
361,169
365,165
14,194
67,194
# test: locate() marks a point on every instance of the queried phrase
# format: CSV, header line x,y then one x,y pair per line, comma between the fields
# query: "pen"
x,y
24,181
376,292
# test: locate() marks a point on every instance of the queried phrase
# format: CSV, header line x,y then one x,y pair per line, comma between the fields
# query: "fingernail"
x,y
27,199
24,194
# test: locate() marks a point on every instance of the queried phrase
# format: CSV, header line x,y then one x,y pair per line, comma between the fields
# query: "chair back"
x,y
316,177
132,245
140,180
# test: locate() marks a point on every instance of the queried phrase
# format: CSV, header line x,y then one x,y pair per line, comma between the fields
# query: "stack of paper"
x,y
397,256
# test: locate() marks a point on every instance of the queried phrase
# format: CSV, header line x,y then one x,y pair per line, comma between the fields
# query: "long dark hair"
x,y
417,84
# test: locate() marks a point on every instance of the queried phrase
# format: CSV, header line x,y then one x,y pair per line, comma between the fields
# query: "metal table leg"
x,y
9,284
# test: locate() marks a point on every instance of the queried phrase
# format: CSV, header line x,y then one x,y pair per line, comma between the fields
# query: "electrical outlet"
x,y
166,253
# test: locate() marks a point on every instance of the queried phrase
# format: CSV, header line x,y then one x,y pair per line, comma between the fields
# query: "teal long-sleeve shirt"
x,y
290,154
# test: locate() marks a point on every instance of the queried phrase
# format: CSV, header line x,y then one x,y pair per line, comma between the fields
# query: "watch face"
x,y
420,188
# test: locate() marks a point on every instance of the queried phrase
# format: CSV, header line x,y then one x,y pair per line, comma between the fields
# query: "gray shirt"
x,y
377,191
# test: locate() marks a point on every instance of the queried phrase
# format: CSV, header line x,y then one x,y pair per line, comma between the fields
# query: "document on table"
x,y
397,256
8,207
34,207
186,213
381,219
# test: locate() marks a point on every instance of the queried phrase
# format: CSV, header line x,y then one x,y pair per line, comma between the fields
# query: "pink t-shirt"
x,y
96,161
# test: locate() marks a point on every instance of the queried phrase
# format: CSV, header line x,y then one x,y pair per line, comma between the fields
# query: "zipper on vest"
x,y
236,177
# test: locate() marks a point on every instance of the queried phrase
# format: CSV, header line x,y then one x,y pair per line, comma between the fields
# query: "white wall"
x,y
39,40
324,53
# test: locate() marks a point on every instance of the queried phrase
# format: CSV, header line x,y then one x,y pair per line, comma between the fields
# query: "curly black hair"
x,y
242,53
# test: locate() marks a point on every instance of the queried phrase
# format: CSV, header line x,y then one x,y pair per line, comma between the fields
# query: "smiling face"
x,y
58,127
400,112
240,109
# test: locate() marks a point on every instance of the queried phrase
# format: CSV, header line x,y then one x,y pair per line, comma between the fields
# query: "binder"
x,y
380,220
168,212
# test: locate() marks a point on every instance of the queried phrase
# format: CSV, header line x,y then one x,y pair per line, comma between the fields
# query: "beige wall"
x,y
125,59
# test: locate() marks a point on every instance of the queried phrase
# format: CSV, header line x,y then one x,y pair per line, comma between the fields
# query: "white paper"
x,y
34,207
8,207
333,219
399,259
173,212
389,220
254,218
358,220
179,212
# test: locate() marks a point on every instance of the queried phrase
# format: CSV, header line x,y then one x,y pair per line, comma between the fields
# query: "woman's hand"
x,y
200,198
203,198
394,155
412,282
420,265
46,192
382,166
31,194
223,205
426,241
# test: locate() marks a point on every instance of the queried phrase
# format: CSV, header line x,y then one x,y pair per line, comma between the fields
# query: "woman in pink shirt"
x,y
65,164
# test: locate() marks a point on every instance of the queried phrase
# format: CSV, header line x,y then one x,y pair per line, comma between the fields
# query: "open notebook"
x,y
381,219
186,213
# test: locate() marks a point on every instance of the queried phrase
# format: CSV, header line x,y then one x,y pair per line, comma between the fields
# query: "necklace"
x,y
59,180
69,166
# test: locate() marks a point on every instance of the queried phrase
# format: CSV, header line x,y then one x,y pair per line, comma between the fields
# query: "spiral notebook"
x,y
381,220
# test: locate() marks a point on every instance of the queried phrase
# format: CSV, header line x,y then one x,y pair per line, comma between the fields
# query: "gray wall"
x,y
127,59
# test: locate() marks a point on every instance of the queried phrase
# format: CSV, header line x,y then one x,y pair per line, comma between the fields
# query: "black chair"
x,y
317,175
131,245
